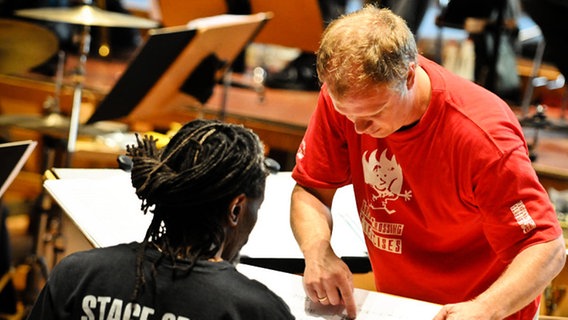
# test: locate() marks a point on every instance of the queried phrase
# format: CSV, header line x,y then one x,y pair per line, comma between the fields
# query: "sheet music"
x,y
370,304
103,203
70,173
346,217
273,225
104,207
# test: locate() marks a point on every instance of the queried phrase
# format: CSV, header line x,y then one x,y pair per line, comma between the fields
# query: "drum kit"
x,y
24,45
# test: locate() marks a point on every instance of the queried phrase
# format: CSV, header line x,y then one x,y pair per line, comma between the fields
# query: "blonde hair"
x,y
367,47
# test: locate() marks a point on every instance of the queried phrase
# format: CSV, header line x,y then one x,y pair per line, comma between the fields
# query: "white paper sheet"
x,y
103,204
272,235
105,208
370,304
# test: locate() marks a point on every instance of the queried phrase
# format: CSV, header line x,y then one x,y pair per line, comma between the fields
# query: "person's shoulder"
x,y
261,289
246,291
260,295
97,256
239,295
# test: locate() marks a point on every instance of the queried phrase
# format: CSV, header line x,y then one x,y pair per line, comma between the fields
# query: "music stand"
x,y
85,15
13,156
169,57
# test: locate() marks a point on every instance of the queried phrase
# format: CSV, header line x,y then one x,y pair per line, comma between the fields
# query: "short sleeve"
x,y
322,159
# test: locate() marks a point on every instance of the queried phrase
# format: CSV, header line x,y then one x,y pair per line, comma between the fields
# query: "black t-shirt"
x,y
98,284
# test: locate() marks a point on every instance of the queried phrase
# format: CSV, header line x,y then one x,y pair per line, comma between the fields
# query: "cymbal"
x,y
55,125
87,15
24,45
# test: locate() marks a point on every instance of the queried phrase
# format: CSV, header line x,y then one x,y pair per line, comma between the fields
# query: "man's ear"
x,y
411,77
236,207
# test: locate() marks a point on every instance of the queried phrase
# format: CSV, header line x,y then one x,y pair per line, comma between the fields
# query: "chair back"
x,y
180,12
296,23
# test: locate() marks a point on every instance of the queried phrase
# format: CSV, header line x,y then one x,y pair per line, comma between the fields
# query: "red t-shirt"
x,y
445,205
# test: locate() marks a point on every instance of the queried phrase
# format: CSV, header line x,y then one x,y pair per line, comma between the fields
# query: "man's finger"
x,y
349,302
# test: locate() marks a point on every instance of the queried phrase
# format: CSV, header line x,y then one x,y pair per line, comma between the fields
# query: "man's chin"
x,y
378,135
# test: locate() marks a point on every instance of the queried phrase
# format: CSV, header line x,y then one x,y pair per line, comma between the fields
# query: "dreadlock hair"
x,y
188,186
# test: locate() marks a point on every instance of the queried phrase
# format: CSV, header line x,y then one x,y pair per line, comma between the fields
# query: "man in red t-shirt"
x,y
451,208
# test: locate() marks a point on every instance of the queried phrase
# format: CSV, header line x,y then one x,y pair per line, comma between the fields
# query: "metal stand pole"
x,y
77,93
537,61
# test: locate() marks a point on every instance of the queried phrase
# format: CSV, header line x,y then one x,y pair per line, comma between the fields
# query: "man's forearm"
x,y
525,278
310,220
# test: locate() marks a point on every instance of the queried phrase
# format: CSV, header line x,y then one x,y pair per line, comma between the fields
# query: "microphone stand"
x,y
78,80
539,122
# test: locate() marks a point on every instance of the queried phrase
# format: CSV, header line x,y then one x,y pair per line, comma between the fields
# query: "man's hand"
x,y
470,310
329,281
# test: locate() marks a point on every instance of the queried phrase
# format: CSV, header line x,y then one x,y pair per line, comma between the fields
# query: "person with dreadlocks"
x,y
204,189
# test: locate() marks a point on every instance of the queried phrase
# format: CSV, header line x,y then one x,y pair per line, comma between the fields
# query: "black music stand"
x,y
187,60
13,156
